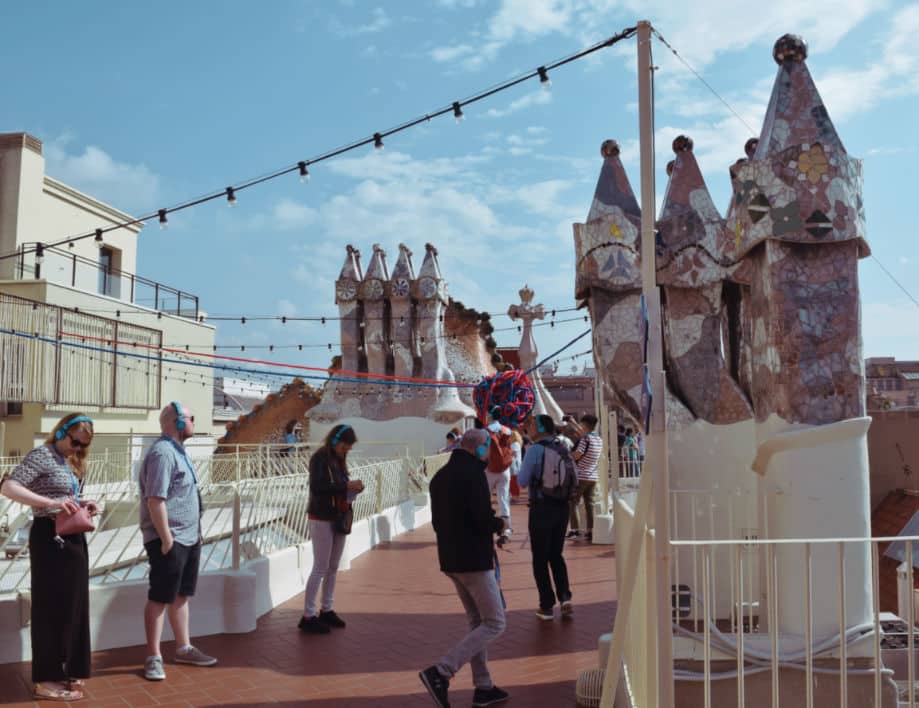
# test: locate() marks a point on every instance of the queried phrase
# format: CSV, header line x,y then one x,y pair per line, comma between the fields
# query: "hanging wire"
x,y
699,76
376,138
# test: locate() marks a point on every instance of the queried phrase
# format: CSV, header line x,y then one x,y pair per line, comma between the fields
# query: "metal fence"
x,y
254,504
778,622
39,368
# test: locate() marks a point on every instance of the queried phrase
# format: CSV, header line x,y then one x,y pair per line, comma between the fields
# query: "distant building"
x,y
95,326
236,397
891,384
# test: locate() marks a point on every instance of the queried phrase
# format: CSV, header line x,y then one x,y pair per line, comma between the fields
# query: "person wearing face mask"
x,y
465,525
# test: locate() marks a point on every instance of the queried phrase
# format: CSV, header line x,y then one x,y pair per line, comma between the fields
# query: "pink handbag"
x,y
80,521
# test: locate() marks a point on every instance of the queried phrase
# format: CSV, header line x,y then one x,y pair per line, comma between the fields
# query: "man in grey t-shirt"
x,y
170,521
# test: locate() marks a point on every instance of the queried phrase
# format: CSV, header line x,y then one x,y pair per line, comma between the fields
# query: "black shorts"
x,y
176,573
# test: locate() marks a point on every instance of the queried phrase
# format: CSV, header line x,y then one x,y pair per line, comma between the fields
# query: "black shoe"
x,y
488,696
313,626
437,685
589,536
331,619
573,534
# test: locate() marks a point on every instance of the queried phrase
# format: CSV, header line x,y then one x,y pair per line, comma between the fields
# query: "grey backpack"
x,y
559,476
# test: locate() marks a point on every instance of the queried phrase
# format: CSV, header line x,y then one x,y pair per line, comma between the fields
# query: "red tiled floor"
x,y
402,616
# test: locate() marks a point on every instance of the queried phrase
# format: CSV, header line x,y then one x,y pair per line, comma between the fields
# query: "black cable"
x,y
624,34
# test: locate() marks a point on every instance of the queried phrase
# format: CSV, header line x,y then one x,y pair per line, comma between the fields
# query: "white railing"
x,y
44,358
784,622
254,504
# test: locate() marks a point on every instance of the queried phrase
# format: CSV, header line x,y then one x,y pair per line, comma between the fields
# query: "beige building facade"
x,y
79,330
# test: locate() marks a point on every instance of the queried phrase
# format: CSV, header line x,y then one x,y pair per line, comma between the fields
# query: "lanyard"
x,y
181,450
74,482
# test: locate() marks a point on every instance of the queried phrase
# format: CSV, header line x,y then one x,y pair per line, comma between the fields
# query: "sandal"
x,y
42,692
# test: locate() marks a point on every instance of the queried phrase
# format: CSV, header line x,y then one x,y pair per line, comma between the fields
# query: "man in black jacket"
x,y
465,524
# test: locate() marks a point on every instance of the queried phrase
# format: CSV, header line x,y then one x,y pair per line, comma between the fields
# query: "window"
x,y
10,408
109,271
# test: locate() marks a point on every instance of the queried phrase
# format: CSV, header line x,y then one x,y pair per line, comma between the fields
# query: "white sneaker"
x,y
194,656
153,668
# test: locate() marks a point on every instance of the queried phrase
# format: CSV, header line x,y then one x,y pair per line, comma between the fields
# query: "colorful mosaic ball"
x,y
510,394
750,146
789,47
670,168
682,143
609,148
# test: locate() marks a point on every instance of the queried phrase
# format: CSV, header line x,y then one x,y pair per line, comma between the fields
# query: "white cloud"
x,y
120,184
286,308
540,97
894,73
379,21
289,214
688,26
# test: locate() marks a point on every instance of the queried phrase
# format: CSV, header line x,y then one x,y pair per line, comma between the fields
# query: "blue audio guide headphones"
x,y
180,419
62,431
338,434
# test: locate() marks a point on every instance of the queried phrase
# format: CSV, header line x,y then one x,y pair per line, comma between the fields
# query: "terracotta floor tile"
x,y
402,615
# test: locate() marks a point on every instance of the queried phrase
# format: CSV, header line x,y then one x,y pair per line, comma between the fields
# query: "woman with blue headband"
x,y
48,480
331,492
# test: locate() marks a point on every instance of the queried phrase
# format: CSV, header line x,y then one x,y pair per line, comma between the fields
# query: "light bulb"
x,y
164,222
378,141
231,197
304,172
544,79
457,112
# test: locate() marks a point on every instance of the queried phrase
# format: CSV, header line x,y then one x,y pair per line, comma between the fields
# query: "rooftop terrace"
x,y
402,616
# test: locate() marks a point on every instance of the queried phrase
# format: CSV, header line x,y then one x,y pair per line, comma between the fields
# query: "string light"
x,y
98,238
377,141
457,112
377,138
304,172
164,222
544,79
39,254
231,197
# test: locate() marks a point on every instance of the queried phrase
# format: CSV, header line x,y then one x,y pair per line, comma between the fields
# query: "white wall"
x,y
234,599
421,435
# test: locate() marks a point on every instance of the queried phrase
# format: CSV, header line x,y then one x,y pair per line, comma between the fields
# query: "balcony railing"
x,y
65,266
36,366
778,622
254,504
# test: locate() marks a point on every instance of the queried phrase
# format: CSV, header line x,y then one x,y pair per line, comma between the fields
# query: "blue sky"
x,y
145,105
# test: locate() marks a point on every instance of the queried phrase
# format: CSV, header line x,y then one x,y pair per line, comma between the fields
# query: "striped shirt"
x,y
45,472
589,447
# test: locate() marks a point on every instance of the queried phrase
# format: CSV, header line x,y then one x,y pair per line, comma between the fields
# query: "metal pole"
x,y
656,463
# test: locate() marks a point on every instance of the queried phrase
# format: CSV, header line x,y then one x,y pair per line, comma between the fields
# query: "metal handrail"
x,y
160,291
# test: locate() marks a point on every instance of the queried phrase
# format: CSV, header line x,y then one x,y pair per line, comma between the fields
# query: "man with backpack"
x,y
548,472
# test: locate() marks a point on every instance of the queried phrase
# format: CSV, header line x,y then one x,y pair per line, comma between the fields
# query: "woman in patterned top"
x,y
48,480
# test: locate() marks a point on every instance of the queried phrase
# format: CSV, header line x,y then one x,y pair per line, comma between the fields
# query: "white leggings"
x,y
327,549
